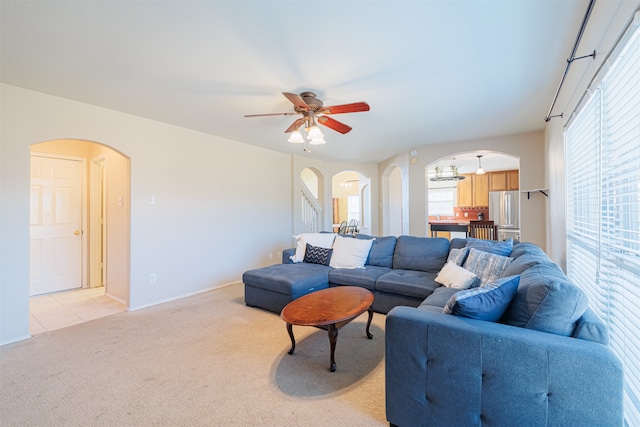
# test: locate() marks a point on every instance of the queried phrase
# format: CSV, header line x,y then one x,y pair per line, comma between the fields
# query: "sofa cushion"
x,y
316,255
381,253
364,277
439,298
590,327
487,303
458,256
420,253
322,240
411,283
487,266
349,252
497,247
524,262
457,243
454,276
522,248
546,301
289,279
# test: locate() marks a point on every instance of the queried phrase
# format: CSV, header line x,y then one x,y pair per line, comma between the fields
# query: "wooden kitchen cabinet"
x,y
504,180
513,179
473,191
481,190
465,191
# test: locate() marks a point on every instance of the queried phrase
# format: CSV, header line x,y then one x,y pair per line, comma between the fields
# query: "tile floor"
x,y
67,308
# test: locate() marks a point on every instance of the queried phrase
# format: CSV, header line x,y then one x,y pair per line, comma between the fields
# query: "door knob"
x,y
77,232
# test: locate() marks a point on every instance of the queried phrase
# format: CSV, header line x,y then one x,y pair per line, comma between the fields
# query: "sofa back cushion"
x,y
590,327
421,253
525,255
546,301
498,247
381,253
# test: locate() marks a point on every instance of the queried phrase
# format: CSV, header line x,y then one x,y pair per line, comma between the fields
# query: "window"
x,y
441,201
602,152
353,208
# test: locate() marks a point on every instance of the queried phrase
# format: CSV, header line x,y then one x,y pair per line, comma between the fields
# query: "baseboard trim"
x,y
222,285
24,337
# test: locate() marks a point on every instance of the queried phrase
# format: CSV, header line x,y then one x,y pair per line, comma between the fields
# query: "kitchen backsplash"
x,y
459,214
471,213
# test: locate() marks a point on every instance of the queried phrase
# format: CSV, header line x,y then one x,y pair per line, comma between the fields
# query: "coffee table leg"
x,y
369,322
333,337
293,340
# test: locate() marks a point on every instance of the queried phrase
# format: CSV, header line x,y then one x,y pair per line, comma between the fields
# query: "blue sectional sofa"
x,y
543,360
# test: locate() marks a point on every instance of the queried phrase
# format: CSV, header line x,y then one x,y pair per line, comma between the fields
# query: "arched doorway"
x,y
351,196
96,253
464,187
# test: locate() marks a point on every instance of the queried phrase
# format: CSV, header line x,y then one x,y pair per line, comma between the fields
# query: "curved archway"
x,y
105,212
312,187
351,196
469,199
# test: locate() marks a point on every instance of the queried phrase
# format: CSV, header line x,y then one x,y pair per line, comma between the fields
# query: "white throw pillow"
x,y
349,252
321,240
454,276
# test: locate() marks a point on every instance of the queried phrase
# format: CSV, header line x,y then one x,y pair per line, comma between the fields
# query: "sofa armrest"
x,y
287,254
447,370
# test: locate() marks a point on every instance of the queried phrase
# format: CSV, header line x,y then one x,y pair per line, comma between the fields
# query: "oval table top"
x,y
327,306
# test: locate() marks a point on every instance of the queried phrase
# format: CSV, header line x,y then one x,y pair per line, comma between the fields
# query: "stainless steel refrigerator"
x,y
504,211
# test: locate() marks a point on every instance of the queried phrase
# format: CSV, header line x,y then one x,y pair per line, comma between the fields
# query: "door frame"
x,y
83,203
97,265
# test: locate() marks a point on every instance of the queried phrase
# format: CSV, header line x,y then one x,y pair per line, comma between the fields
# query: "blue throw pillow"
x,y
458,256
503,247
488,302
317,255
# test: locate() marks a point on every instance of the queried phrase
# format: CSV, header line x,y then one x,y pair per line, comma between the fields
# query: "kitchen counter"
x,y
448,225
448,222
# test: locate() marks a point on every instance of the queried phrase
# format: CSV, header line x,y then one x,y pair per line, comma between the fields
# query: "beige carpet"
x,y
202,360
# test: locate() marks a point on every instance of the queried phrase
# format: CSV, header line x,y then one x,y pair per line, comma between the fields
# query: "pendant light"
x,y
480,170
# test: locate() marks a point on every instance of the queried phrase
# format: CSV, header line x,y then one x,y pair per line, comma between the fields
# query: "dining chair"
x,y
486,231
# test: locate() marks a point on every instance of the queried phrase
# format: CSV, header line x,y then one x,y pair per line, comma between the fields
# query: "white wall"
x,y
607,23
529,147
221,206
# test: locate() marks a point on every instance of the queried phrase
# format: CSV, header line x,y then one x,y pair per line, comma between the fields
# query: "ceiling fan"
x,y
313,110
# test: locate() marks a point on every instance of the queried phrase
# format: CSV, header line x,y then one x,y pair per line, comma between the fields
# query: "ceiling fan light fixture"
x,y
480,170
314,132
296,137
318,141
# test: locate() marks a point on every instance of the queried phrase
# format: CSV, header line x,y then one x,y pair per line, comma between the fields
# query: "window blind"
x,y
602,156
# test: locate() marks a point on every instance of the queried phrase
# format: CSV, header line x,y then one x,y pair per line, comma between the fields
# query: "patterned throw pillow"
x,y
317,255
458,256
486,303
488,267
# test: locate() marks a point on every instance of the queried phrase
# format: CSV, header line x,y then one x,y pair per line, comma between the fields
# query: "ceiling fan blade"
x,y
297,101
271,114
355,107
295,125
334,124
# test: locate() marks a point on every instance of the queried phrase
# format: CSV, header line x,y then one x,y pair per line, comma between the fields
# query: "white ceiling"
x,y
432,71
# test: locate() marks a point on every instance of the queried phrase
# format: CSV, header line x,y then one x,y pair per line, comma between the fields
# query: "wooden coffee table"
x,y
328,309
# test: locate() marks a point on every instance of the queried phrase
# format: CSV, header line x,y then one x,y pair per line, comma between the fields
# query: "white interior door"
x,y
55,225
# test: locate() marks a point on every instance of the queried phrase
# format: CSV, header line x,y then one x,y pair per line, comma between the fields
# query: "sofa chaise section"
x,y
275,286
